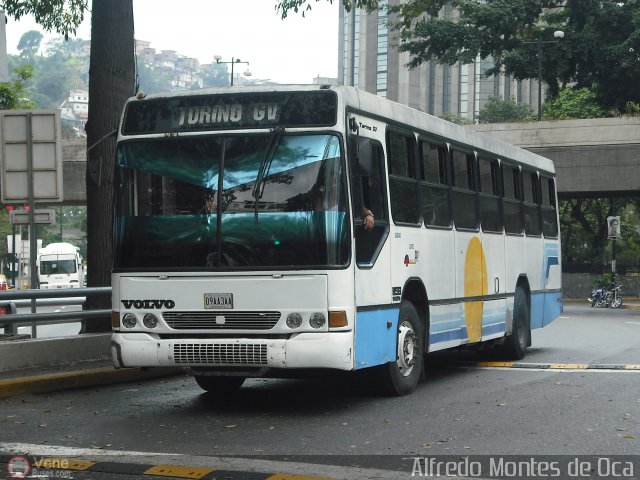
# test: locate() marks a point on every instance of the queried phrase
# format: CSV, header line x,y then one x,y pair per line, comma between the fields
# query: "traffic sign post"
x,y
21,217
31,166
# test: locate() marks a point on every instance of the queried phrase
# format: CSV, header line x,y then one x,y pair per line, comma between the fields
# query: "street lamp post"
x,y
233,61
557,34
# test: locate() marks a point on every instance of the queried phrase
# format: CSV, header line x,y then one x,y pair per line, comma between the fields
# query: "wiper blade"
x,y
274,142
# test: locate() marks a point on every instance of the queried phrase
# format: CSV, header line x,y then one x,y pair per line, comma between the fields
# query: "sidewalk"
x,y
49,365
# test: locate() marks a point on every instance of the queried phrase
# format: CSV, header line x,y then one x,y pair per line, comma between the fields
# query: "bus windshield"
x,y
269,200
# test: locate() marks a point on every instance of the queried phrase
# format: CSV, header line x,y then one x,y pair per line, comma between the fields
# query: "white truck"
x,y
60,266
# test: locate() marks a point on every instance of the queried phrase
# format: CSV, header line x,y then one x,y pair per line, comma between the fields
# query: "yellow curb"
x,y
568,366
78,379
178,471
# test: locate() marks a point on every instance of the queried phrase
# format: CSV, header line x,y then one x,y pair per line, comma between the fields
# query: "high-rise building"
x,y
369,59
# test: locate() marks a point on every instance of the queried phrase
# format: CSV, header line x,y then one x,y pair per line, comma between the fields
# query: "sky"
x,y
294,50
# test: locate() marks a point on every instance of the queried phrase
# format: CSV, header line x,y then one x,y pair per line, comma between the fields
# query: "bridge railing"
x,y
47,297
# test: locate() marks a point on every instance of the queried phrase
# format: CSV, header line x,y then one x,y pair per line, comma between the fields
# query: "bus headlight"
x,y
150,320
294,320
317,320
129,320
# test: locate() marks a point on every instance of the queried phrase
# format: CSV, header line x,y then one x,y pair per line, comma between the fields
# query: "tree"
x,y
12,94
284,6
573,103
29,44
584,230
62,16
111,82
498,110
600,49
455,118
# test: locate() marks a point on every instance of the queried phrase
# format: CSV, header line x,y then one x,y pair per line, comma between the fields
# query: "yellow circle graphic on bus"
x,y
475,285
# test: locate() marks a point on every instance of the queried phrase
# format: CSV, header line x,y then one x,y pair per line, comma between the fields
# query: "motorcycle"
x,y
606,297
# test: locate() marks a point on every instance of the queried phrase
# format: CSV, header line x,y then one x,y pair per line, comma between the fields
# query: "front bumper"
x,y
332,350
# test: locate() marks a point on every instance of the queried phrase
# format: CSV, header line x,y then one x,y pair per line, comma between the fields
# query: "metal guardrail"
x,y
35,298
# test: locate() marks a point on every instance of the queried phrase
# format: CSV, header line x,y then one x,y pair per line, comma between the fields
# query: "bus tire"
x,y
219,384
401,377
515,345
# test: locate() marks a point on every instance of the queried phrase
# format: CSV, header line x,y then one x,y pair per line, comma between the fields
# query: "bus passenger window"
x,y
490,215
549,213
434,186
403,183
464,196
531,205
511,204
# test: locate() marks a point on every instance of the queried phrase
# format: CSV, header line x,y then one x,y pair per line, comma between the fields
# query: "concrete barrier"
x,y
21,354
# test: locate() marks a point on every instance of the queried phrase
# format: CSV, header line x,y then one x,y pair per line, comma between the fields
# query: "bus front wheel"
x,y
515,345
219,384
401,377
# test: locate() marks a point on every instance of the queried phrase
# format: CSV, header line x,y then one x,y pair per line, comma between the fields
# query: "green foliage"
x,y
283,7
29,43
632,108
12,94
499,110
583,225
62,16
573,103
603,281
600,49
453,118
55,73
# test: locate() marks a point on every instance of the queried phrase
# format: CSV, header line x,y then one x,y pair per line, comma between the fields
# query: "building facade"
x,y
369,59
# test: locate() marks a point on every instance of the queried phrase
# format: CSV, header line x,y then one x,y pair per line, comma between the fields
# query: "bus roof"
x,y
362,102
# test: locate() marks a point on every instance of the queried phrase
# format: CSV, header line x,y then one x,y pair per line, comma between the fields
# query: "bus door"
x,y
368,194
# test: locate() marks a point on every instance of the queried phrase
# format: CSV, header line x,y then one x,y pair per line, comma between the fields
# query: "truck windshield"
x,y
280,202
56,264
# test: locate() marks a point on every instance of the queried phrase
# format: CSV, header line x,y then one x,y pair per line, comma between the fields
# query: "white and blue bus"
x,y
260,230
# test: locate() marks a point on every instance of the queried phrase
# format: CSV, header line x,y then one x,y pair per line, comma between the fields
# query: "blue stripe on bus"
x,y
493,328
375,343
552,307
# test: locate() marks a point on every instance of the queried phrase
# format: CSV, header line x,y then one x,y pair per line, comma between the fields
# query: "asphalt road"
x,y
555,406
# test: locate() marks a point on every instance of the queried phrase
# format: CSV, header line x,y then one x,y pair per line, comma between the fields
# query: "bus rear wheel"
x,y
401,377
515,345
219,384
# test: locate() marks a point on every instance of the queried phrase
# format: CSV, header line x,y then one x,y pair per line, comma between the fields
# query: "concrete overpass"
x,y
595,157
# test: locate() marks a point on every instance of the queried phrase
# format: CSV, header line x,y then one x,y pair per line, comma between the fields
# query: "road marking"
x,y
177,471
599,367
188,466
633,323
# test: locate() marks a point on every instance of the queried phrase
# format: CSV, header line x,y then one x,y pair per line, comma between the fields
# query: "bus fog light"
x,y
129,320
150,320
317,320
294,320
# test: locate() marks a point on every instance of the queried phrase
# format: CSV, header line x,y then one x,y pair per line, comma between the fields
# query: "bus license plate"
x,y
218,300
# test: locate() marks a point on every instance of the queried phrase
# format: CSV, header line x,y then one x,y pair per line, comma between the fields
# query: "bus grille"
x,y
244,354
221,320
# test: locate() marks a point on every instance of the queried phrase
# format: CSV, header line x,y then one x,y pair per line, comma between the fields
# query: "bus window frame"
x,y
535,205
497,190
517,199
423,139
412,169
472,177
553,203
